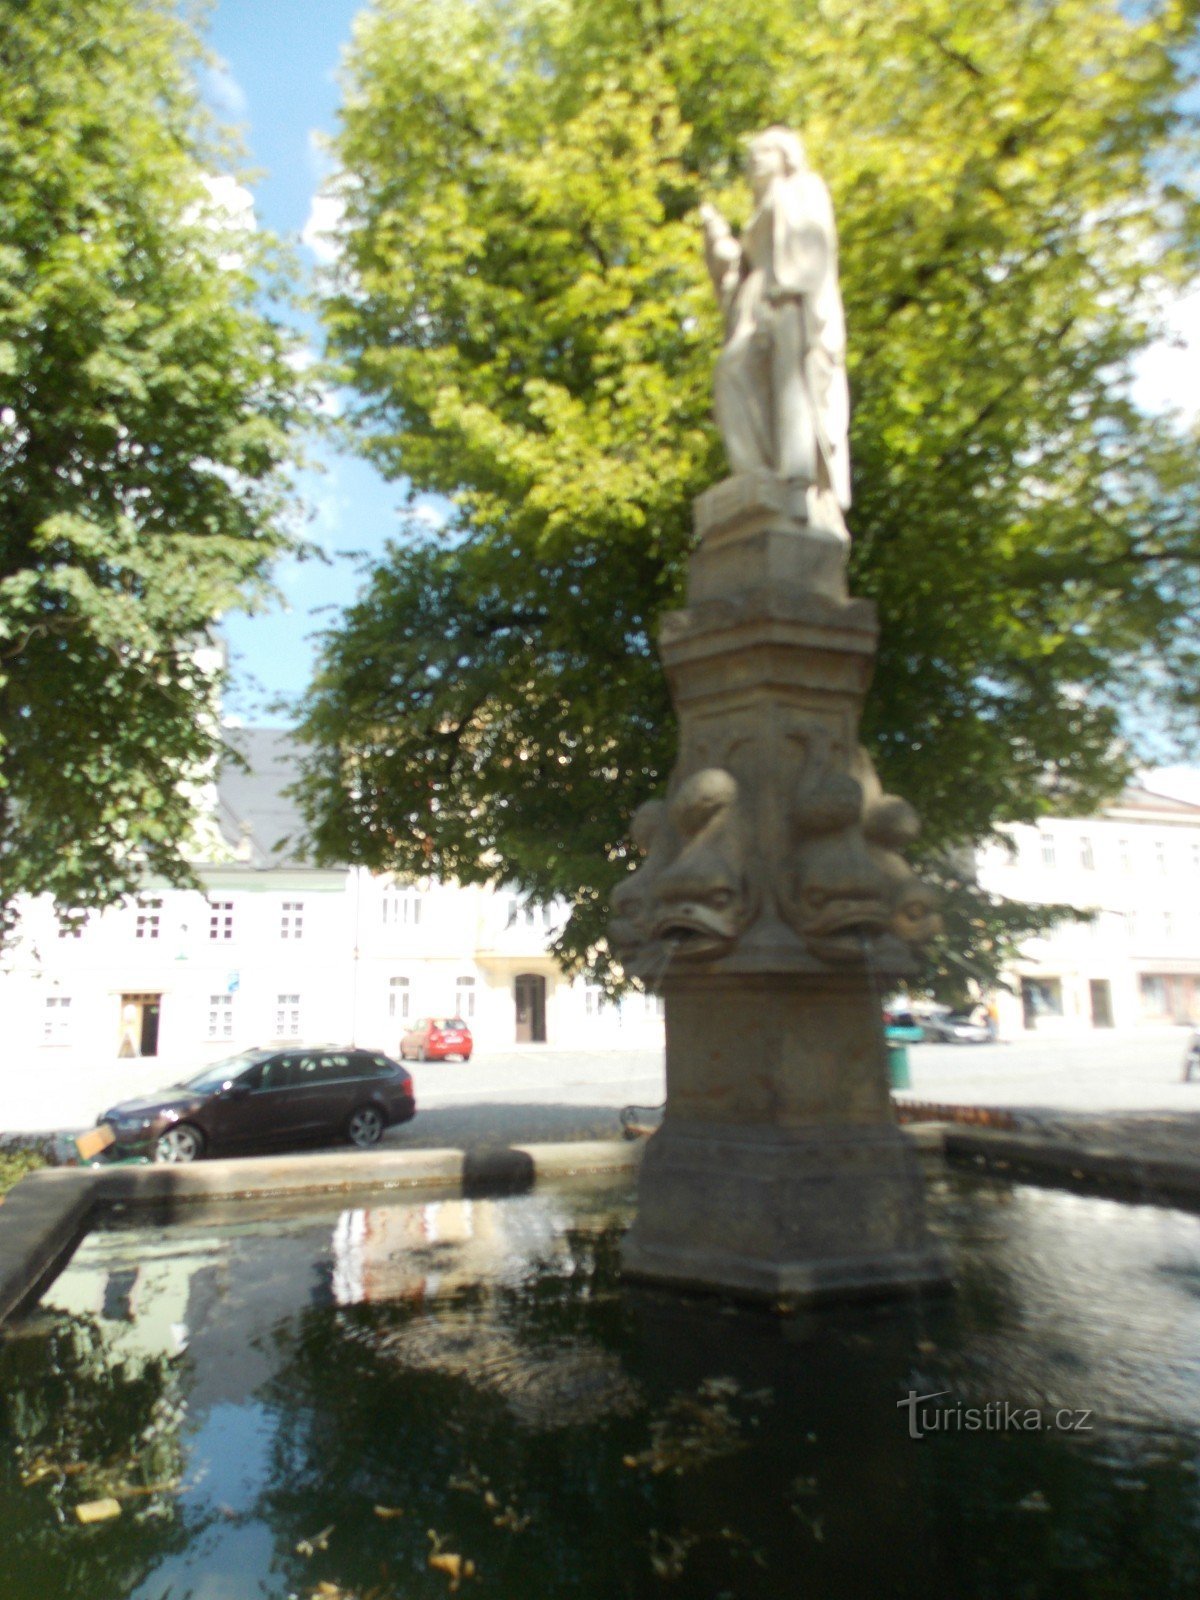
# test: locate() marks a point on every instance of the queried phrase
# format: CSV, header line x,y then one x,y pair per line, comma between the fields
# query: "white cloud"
x,y
431,514
223,92
231,199
1167,375
302,360
230,211
320,227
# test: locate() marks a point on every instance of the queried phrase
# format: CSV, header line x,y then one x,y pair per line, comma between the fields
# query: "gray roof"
x,y
251,803
1137,798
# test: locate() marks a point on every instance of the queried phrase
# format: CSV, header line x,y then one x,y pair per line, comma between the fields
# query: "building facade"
x,y
1136,868
272,950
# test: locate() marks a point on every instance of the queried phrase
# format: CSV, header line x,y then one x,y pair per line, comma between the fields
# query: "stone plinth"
x,y
778,1173
773,910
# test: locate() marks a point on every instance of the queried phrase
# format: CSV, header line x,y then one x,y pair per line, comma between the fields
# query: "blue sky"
x,y
277,82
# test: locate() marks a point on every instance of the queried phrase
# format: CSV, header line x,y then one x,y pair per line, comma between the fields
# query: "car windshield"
x,y
221,1071
448,1024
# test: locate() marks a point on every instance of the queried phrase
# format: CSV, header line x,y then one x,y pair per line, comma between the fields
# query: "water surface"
x,y
424,1398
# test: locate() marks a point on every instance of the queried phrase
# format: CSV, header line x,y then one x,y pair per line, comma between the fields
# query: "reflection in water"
x,y
391,1398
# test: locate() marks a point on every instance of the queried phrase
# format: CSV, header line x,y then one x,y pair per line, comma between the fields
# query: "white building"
x,y
272,950
1137,866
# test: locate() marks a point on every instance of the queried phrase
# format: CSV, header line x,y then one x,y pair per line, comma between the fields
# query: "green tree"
x,y
522,311
146,403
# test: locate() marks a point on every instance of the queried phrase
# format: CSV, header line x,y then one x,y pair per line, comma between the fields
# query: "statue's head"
x,y
775,153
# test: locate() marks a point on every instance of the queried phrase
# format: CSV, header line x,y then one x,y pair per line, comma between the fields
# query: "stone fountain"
x,y
773,905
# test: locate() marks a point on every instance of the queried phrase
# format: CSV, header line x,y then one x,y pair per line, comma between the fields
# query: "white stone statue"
x,y
781,400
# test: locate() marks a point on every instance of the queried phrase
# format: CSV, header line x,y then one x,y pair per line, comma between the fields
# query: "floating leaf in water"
x,y
668,1556
511,1519
693,1430
1034,1502
455,1566
98,1510
318,1541
387,1512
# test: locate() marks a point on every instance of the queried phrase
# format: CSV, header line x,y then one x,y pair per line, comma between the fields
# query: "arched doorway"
x,y
529,993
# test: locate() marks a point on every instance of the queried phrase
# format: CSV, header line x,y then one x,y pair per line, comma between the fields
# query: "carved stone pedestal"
x,y
778,1173
773,911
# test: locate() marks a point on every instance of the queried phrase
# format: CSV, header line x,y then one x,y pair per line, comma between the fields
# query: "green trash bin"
x,y
898,1065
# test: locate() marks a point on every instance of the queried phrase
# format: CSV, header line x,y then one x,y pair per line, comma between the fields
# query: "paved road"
x,y
535,1093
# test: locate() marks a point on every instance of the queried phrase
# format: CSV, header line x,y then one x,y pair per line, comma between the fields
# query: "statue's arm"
x,y
722,253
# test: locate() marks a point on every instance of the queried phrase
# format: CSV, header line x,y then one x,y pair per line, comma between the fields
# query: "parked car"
x,y
1191,1060
955,1027
266,1097
901,1027
435,1038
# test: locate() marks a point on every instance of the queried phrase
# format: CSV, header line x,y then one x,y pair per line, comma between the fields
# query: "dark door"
x,y
239,1113
1101,1003
529,990
278,1105
149,1028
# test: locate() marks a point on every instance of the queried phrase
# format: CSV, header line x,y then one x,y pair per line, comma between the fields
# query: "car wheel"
x,y
466,1058
365,1127
180,1143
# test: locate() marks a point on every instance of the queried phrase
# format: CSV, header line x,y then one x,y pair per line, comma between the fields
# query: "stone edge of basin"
x,y
1155,1178
44,1216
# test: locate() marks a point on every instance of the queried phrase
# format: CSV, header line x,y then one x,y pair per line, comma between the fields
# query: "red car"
x,y
435,1038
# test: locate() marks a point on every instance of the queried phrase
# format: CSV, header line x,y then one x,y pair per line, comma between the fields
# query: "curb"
x,y
44,1216
1153,1179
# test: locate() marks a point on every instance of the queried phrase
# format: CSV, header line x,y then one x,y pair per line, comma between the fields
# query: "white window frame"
x,y
1049,853
464,997
56,1019
220,921
287,1016
220,1016
401,907
149,918
291,920
1087,855
399,988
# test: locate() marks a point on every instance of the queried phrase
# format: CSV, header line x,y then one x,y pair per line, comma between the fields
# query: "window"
x,y
291,920
1087,859
1168,925
401,907
1154,994
287,1016
1047,849
653,1005
72,928
149,918
464,997
220,919
220,1016
1123,852
1196,858
56,1019
398,999
1042,997
1160,855
593,999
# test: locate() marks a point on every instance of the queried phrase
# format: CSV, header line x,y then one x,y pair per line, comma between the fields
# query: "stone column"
x,y
773,911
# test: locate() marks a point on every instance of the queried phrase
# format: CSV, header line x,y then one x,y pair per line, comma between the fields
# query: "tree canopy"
x,y
146,405
521,309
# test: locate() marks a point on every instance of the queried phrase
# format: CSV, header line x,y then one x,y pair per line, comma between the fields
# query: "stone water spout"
x,y
773,899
